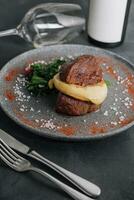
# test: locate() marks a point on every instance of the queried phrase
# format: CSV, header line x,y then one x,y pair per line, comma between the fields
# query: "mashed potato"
x,y
95,93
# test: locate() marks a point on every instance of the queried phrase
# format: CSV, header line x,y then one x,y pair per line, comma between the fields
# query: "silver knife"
x,y
86,186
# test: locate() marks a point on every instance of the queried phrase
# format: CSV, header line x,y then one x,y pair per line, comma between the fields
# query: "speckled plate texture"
x,y
38,115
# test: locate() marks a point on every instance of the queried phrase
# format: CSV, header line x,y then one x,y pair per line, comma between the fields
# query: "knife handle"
x,y
86,186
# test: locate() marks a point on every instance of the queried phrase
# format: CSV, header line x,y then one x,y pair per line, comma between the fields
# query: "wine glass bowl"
x,y
50,23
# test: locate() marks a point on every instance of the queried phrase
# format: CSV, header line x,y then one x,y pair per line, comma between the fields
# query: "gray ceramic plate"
x,y
38,115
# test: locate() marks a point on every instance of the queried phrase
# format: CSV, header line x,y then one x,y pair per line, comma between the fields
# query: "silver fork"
x,y
20,164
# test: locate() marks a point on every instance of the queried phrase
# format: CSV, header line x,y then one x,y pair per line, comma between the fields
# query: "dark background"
x,y
109,162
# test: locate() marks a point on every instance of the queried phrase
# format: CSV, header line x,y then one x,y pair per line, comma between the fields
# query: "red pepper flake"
x,y
99,129
131,90
67,130
129,83
111,72
132,107
125,122
96,129
11,74
25,120
9,95
112,125
124,68
106,60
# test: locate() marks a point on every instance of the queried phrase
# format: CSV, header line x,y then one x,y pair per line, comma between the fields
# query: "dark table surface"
x,y
108,163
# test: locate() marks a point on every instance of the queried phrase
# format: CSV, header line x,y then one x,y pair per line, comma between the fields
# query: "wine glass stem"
x,y
9,32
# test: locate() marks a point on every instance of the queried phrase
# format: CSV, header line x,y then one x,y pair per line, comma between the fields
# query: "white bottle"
x,y
107,21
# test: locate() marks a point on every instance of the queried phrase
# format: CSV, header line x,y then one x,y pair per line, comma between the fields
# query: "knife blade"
x,y
13,143
86,186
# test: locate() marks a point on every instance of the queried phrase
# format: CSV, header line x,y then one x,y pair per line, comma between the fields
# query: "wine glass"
x,y
49,23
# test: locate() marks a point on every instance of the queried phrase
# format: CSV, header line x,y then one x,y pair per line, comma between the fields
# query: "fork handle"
x,y
86,186
70,191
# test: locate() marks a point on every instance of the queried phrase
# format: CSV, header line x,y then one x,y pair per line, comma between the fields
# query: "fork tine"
x,y
7,153
6,159
11,158
10,151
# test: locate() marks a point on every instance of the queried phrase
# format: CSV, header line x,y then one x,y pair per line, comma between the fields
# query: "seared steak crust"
x,y
84,70
69,105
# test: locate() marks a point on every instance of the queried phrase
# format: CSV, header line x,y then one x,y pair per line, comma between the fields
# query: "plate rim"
x,y
64,137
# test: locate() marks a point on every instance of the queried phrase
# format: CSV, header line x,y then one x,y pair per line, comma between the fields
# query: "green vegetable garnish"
x,y
108,83
40,76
